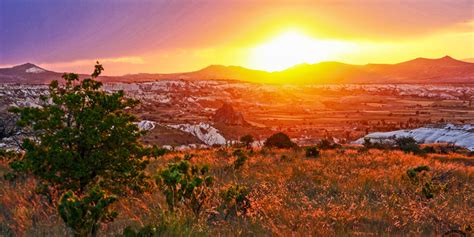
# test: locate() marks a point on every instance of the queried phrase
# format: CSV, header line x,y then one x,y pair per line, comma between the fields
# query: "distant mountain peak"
x,y
29,68
25,65
420,70
214,67
447,57
445,61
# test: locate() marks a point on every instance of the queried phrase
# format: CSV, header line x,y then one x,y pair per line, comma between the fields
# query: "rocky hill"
x,y
228,116
417,71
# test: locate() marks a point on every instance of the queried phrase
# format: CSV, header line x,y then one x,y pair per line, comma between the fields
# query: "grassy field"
x,y
343,192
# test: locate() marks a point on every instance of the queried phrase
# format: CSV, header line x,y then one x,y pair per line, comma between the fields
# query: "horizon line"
x,y
466,60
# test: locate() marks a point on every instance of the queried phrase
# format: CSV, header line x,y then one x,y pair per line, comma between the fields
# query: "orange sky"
x,y
173,36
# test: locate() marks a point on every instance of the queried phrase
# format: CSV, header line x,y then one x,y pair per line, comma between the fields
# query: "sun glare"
x,y
293,47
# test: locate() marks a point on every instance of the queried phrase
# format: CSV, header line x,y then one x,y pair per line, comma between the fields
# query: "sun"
x,y
293,47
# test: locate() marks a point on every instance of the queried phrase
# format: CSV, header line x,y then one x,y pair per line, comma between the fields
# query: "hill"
x,y
417,71
27,73
469,60
420,70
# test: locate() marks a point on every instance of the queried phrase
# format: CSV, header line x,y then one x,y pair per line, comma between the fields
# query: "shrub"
x,y
183,183
222,153
241,158
167,224
188,157
408,144
429,149
427,190
247,140
419,176
238,152
279,140
83,214
368,144
235,201
412,173
312,151
145,231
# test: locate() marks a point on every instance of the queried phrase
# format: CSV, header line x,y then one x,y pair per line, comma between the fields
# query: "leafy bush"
x,y
241,158
279,140
405,144
368,144
238,152
420,177
412,173
451,148
408,144
183,183
427,190
84,214
429,149
234,201
247,140
312,151
168,224
146,231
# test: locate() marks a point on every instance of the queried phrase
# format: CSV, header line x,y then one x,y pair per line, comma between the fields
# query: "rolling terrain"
x,y
417,71
202,112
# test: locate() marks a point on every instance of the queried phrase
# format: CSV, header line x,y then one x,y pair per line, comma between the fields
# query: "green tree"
x,y
83,139
247,140
279,140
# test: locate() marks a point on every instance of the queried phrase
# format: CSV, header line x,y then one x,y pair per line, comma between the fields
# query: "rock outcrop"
x,y
228,116
459,135
203,131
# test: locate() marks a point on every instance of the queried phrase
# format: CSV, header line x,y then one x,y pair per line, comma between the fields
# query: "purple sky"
x,y
54,31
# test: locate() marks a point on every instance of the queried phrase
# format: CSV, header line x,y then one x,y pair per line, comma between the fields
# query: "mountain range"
x,y
416,71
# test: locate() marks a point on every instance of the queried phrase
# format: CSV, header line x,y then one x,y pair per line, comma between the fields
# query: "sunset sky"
x,y
173,36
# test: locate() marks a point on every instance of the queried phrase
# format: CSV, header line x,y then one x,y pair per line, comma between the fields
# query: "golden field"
x,y
344,192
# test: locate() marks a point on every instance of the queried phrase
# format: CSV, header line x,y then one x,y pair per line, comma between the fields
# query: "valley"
x,y
308,113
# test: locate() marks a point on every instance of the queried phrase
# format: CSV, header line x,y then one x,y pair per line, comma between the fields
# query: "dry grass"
x,y
343,192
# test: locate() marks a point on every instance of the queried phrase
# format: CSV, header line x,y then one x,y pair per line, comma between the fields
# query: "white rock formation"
x,y
146,125
203,131
459,135
34,70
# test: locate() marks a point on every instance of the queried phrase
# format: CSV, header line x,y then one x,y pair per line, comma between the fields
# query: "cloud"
x,y
86,65
88,62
